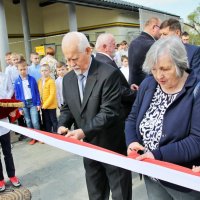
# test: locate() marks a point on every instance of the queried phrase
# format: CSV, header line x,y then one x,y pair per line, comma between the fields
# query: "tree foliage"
x,y
194,20
193,26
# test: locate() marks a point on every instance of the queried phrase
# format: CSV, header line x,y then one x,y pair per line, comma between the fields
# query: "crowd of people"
x,y
39,87
141,97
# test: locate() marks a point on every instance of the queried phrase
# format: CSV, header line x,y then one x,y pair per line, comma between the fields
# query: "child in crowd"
x,y
8,58
47,89
8,62
26,90
122,49
61,70
14,74
6,89
34,68
92,46
50,60
124,68
12,71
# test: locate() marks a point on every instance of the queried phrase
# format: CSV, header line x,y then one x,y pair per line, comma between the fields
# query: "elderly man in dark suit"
x,y
105,48
91,93
173,27
139,47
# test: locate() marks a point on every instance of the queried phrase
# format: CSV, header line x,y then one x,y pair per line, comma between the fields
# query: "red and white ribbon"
x,y
161,170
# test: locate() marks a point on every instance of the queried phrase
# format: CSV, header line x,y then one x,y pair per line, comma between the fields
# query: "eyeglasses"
x,y
156,26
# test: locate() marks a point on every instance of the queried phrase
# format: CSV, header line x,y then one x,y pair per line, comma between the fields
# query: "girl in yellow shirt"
x,y
47,89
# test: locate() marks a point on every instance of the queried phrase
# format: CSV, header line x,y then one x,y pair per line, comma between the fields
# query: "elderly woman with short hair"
x,y
164,120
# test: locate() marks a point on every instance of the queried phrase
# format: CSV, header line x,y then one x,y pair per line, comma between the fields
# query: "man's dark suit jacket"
x,y
193,53
128,96
98,116
136,55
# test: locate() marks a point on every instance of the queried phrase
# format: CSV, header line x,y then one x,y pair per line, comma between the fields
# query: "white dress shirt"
x,y
125,72
13,73
27,89
6,89
59,93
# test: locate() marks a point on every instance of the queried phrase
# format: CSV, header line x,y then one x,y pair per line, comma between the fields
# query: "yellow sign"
x,y
40,50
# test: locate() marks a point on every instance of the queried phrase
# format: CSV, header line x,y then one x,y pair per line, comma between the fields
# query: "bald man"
x,y
139,47
91,93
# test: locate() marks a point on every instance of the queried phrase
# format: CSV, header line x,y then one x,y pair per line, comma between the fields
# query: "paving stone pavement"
x,y
53,174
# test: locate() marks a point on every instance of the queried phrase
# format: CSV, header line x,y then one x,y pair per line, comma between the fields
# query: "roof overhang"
x,y
106,4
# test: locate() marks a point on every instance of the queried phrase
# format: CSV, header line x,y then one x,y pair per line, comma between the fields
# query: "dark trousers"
x,y
50,120
8,158
21,121
41,122
101,178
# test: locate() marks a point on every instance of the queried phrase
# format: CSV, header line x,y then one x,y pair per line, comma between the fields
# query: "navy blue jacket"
x,y
136,55
19,92
180,140
193,53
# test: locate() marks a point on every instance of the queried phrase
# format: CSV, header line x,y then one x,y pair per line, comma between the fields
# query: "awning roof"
x,y
108,4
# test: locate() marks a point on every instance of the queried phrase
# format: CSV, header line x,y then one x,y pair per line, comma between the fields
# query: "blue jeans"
x,y
31,115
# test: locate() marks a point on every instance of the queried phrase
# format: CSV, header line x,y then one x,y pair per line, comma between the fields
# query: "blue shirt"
x,y
85,74
34,70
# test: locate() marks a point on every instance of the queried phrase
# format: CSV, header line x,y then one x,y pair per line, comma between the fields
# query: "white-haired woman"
x,y
164,120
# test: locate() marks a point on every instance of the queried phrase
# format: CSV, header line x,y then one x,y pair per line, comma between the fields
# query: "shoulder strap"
x,y
196,89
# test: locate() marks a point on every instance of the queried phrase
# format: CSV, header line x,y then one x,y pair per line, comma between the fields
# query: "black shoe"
x,y
22,137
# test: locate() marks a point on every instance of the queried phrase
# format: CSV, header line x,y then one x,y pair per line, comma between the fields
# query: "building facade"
x,y
32,23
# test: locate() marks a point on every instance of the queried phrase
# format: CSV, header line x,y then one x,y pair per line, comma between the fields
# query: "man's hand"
x,y
196,168
145,155
77,134
38,108
134,87
134,146
62,130
13,113
21,112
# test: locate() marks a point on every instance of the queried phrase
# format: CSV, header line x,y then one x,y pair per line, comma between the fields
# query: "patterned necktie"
x,y
81,85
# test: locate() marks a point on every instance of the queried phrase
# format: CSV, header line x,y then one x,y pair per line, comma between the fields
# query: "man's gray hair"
x,y
171,46
102,39
80,38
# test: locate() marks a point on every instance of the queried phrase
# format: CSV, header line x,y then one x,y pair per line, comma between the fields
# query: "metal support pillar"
x,y
72,17
4,47
26,29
